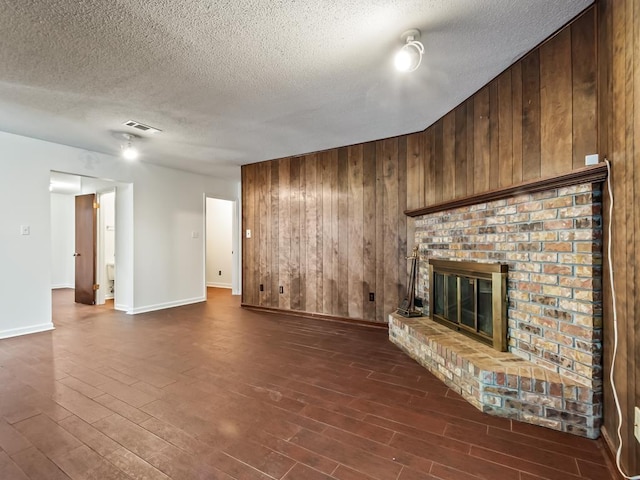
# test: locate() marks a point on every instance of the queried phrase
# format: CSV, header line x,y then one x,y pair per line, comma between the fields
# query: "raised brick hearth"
x,y
552,242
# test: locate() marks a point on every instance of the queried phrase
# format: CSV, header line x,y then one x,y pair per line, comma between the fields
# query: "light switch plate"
x,y
195,234
248,233
25,230
636,424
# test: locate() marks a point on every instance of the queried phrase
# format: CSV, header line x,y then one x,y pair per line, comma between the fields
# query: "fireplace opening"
x,y
471,298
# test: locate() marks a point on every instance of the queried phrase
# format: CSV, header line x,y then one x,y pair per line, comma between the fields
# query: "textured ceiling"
x,y
239,81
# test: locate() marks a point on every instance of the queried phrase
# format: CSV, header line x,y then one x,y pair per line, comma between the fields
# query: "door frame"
x,y
236,254
101,274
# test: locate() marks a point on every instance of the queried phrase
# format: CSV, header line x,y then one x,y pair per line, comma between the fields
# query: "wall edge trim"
x,y
163,306
16,332
317,316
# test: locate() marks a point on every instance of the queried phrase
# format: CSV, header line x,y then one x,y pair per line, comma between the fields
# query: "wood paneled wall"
x,y
537,119
619,141
329,229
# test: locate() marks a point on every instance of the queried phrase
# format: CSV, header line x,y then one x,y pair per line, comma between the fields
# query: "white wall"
x,y
159,210
219,222
62,240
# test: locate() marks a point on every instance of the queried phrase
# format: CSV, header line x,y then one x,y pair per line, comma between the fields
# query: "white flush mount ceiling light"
x,y
409,57
129,151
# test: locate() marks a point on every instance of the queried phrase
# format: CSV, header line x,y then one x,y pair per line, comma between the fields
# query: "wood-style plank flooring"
x,y
212,391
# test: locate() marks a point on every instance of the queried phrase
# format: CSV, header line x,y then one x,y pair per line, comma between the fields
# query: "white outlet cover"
x,y
248,233
592,159
25,230
636,424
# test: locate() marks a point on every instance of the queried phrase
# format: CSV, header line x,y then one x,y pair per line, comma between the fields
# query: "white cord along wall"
x,y
615,330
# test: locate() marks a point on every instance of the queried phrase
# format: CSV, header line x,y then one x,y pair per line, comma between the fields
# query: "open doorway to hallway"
x,y
64,190
219,268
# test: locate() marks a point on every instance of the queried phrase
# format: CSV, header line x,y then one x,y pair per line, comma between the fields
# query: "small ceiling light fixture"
x,y
129,151
409,57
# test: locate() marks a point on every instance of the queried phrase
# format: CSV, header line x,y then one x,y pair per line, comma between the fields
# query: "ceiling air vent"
x,y
141,126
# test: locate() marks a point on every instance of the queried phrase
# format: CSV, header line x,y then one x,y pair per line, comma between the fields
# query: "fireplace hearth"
x,y
547,367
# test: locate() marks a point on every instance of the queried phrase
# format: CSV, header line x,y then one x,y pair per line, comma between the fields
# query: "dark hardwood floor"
x,y
212,391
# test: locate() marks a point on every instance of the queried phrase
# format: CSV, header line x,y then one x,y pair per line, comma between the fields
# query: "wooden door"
x,y
85,253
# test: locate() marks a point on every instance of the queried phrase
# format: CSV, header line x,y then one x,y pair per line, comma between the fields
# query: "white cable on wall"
x,y
615,330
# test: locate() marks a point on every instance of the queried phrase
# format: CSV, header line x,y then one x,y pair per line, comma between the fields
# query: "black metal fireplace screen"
x,y
472,298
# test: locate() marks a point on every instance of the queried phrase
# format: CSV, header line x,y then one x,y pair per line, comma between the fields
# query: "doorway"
x,y
112,198
220,272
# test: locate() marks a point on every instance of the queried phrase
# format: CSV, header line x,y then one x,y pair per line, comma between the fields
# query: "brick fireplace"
x,y
552,243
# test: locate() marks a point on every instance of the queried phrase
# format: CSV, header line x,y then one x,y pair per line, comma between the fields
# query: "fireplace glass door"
x,y
470,298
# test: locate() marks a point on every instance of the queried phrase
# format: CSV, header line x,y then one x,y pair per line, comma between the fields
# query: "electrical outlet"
x,y
261,287
25,230
219,272
281,289
592,159
248,233
636,424
372,297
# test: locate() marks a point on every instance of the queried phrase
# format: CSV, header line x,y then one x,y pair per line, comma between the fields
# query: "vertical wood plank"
x,y
294,252
319,235
328,220
309,257
583,51
342,306
284,234
494,136
274,280
401,226
481,141
505,129
631,212
531,149
635,48
516,100
619,175
460,155
555,105
247,265
429,167
448,156
255,234
381,201
390,214
355,255
302,235
470,146
369,195
264,230
437,160
415,171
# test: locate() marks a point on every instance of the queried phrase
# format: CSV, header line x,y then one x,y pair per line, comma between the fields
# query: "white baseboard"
x,y
120,307
218,285
162,306
55,287
15,332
